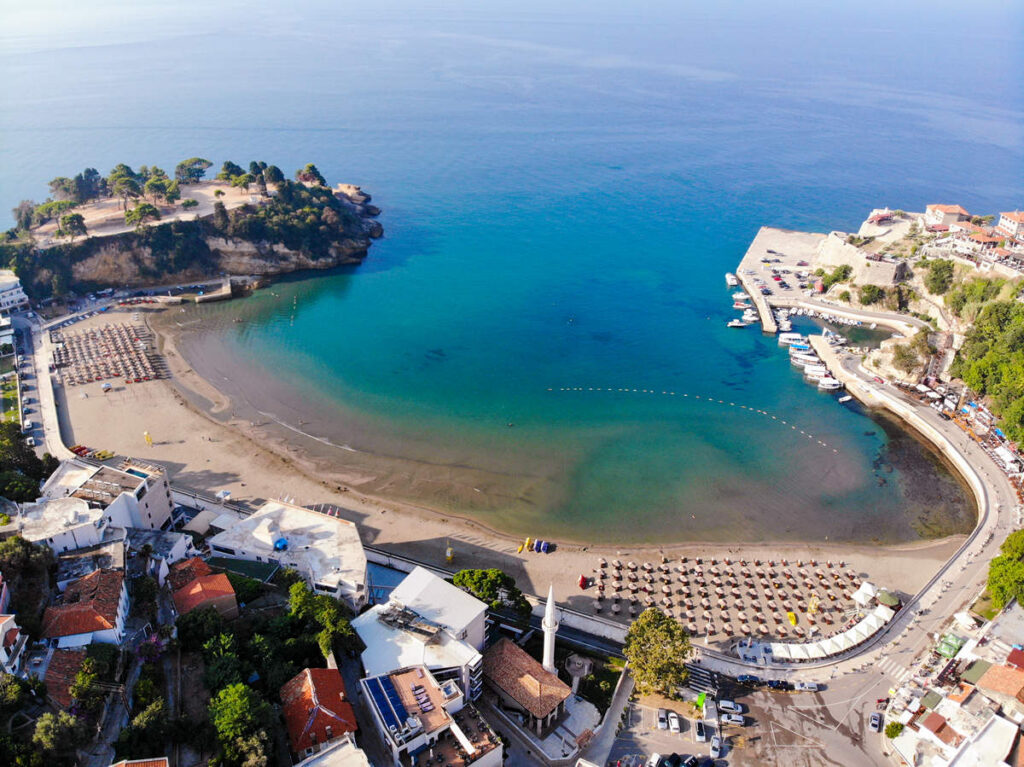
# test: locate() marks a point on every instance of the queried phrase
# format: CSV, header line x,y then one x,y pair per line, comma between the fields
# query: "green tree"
x,y
58,733
496,588
940,276
656,648
173,192
229,170
1005,580
71,225
893,730
237,712
84,689
23,214
63,188
244,181
188,203
1013,546
301,603
191,170
127,188
144,591
196,626
221,221
156,187
12,693
273,174
141,213
310,175
905,358
871,294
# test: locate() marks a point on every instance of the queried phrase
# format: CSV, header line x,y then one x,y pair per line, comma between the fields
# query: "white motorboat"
x,y
731,280
741,305
740,295
800,349
845,398
805,360
737,324
785,325
791,338
814,372
749,315
828,383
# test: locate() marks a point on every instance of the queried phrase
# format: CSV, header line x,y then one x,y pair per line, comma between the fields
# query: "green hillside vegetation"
x,y
991,361
1006,572
303,216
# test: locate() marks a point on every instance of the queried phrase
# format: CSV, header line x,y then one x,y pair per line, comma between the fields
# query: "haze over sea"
x,y
563,185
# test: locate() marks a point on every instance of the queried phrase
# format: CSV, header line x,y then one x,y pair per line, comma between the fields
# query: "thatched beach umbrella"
x,y
745,628
763,628
734,591
727,629
691,628
705,602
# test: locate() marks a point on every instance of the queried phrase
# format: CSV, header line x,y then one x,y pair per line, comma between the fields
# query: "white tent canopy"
x,y
853,636
865,594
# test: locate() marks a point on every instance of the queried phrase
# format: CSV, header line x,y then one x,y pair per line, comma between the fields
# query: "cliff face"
x,y
185,251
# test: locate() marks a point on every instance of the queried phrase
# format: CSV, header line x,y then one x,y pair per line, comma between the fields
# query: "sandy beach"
x,y
205,449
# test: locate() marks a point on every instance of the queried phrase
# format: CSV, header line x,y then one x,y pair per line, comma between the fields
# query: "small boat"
x,y
845,398
528,544
544,547
785,325
740,295
791,338
816,372
741,305
737,324
750,315
828,383
536,546
731,280
800,349
520,549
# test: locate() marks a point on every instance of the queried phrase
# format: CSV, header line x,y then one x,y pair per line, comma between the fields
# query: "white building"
x,y
136,495
94,609
938,215
12,642
1011,224
66,524
412,711
427,622
340,753
11,295
161,548
323,549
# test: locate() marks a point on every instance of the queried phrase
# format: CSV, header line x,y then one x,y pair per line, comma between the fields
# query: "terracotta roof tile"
x,y
949,209
1014,215
60,674
186,571
1004,680
512,670
90,604
201,590
161,761
313,700
1015,659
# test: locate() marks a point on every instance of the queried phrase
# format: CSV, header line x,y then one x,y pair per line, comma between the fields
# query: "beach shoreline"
x,y
206,449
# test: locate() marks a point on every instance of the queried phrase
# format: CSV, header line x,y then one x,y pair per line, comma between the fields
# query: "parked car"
x,y
654,760
700,732
778,684
733,719
673,721
673,760
662,719
717,747
749,679
730,707
876,722
690,761
30,441
806,687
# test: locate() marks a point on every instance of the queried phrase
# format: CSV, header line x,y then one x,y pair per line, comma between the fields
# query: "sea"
x,y
539,340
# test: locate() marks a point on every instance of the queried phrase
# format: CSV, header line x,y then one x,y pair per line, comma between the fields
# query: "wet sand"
x,y
205,448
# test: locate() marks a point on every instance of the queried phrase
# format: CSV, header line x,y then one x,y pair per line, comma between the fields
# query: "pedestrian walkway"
x,y
894,670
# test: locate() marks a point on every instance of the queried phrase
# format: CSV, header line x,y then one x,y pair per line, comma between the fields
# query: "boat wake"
x,y
321,440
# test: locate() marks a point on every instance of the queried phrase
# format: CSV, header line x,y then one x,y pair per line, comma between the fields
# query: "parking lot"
x,y
807,729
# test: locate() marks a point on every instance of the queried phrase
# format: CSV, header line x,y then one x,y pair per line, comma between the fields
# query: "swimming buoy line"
x,y
626,390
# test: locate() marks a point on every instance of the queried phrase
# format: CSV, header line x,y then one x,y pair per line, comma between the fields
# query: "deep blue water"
x,y
563,188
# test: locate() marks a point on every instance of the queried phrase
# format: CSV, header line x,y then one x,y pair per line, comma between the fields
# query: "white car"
x,y
30,441
806,687
673,721
716,747
730,707
662,719
654,760
733,719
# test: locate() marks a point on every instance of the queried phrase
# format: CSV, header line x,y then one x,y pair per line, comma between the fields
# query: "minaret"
x,y
550,626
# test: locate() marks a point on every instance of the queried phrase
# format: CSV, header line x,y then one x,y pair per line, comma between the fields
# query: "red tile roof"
x,y
937,724
313,700
1014,215
11,637
1005,680
60,674
200,591
90,604
949,209
161,761
1015,659
186,571
512,670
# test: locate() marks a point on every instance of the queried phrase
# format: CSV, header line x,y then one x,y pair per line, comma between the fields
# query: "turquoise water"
x,y
563,189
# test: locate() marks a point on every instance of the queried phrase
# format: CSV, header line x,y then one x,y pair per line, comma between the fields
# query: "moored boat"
x,y
731,280
828,383
791,338
814,372
846,398
737,324
740,295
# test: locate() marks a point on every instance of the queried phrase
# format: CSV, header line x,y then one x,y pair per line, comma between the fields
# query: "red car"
x,y
777,278
878,380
